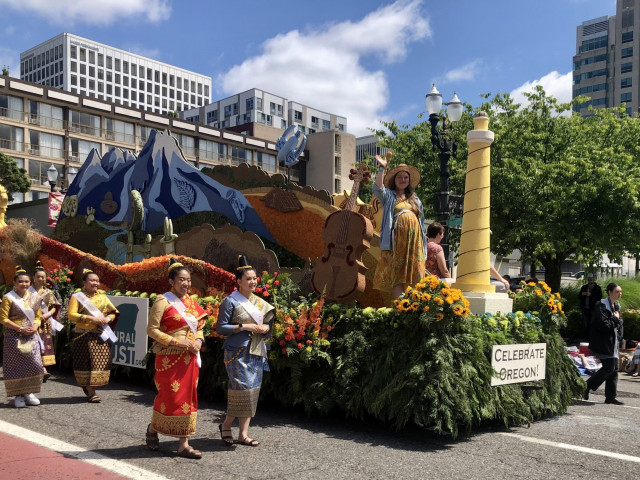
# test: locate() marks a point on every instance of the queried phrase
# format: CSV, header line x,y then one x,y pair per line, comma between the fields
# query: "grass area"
x,y
630,293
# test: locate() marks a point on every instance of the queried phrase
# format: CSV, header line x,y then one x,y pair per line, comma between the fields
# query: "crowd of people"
x,y
28,313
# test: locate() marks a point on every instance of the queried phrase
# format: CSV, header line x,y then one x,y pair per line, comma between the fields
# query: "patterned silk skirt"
x,y
48,354
245,378
91,359
175,408
22,372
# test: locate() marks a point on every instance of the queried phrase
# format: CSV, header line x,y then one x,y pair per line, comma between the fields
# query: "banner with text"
x,y
518,363
55,204
130,347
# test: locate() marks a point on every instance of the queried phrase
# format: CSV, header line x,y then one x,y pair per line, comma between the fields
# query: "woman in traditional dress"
x,y
50,307
244,319
20,314
94,316
402,234
175,324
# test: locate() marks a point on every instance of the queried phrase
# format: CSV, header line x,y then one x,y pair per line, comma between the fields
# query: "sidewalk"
x,y
23,459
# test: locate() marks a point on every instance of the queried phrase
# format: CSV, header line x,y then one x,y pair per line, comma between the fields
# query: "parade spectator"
x,y
402,235
244,319
94,316
50,307
175,324
589,295
605,332
435,263
501,283
22,365
633,366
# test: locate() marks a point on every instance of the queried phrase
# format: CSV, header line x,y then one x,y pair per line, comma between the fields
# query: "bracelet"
x,y
21,329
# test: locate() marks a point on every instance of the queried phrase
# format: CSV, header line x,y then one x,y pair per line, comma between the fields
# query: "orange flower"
x,y
439,316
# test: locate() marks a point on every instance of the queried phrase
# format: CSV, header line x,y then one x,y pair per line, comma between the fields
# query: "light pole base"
x,y
484,302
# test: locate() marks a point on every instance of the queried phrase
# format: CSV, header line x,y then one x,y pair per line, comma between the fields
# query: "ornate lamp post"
x,y
52,177
446,147
71,176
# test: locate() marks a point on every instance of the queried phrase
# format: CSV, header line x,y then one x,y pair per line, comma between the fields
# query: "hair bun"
x,y
19,269
86,270
173,263
243,264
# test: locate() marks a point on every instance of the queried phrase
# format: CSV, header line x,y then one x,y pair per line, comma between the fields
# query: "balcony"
x,y
84,129
12,145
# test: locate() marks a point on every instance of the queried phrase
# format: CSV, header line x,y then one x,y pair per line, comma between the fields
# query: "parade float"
x,y
427,358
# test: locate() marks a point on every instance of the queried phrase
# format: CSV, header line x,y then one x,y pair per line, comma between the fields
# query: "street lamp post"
x,y
71,176
52,177
446,147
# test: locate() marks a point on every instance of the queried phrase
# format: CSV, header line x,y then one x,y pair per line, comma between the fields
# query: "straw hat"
x,y
414,175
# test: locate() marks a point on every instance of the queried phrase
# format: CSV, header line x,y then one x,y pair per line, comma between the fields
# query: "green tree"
x,y
13,178
5,71
562,186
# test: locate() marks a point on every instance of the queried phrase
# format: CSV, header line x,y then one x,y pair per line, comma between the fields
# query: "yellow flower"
x,y
559,305
439,316
426,308
538,291
404,305
465,302
415,306
406,292
438,301
449,300
458,309
415,295
426,297
550,302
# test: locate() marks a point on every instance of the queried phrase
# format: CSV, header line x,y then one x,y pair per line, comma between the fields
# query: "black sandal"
x,y
249,442
226,439
190,452
153,442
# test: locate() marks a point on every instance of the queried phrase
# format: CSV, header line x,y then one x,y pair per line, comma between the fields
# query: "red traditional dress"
x,y
175,408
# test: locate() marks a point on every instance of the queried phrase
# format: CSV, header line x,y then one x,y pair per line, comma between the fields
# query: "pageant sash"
x,y
257,346
56,326
107,333
27,311
189,319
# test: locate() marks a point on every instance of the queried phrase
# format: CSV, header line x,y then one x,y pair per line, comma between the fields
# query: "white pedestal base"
x,y
482,302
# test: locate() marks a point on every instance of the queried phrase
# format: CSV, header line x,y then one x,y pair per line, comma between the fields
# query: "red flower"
x,y
282,343
258,279
308,342
258,289
68,280
265,294
267,286
275,274
276,282
70,272
328,328
284,351
56,278
299,346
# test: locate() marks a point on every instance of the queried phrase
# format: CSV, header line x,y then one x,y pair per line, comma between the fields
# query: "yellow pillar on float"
x,y
473,274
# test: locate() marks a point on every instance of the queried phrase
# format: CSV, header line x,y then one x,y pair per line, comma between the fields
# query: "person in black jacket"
x,y
605,331
589,295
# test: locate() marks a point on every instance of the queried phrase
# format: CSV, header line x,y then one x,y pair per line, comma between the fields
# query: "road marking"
x,y
116,466
577,448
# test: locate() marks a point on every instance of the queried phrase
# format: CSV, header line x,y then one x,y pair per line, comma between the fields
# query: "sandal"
x,y
94,399
153,442
249,442
190,452
635,374
226,439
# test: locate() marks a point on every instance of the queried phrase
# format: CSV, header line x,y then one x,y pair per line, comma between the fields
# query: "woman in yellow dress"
x,y
50,307
22,366
402,233
94,316
175,324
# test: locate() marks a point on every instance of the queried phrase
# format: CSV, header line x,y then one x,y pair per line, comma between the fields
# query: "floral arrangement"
x,y
300,332
435,299
538,299
60,281
211,305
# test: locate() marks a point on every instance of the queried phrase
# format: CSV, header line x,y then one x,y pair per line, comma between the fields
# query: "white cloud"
x,y
555,84
323,68
92,12
464,73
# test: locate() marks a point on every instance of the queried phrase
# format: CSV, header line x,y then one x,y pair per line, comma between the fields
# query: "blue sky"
x,y
363,59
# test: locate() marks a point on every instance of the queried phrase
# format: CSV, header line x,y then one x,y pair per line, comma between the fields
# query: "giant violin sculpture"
x,y
340,271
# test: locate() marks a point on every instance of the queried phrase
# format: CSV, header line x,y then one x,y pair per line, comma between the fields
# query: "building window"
x,y
11,138
625,97
212,116
625,82
249,104
626,67
74,67
74,51
626,52
109,64
101,60
297,115
337,186
83,55
314,121
627,37
125,67
92,57
117,64
326,124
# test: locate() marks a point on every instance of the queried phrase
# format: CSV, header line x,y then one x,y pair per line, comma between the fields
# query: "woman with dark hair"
x,y
175,324
22,366
244,319
402,235
50,307
436,264
94,316
604,339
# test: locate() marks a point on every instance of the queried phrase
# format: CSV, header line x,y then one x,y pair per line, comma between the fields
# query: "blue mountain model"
x,y
169,186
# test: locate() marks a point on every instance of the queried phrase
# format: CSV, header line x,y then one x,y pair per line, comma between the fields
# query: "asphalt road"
x,y
297,446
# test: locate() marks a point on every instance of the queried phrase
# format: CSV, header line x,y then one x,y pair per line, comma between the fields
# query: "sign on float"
x,y
518,363
130,347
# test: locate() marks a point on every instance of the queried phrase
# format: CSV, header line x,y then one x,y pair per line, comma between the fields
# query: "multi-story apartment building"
x,y
239,111
606,66
42,126
368,145
99,71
